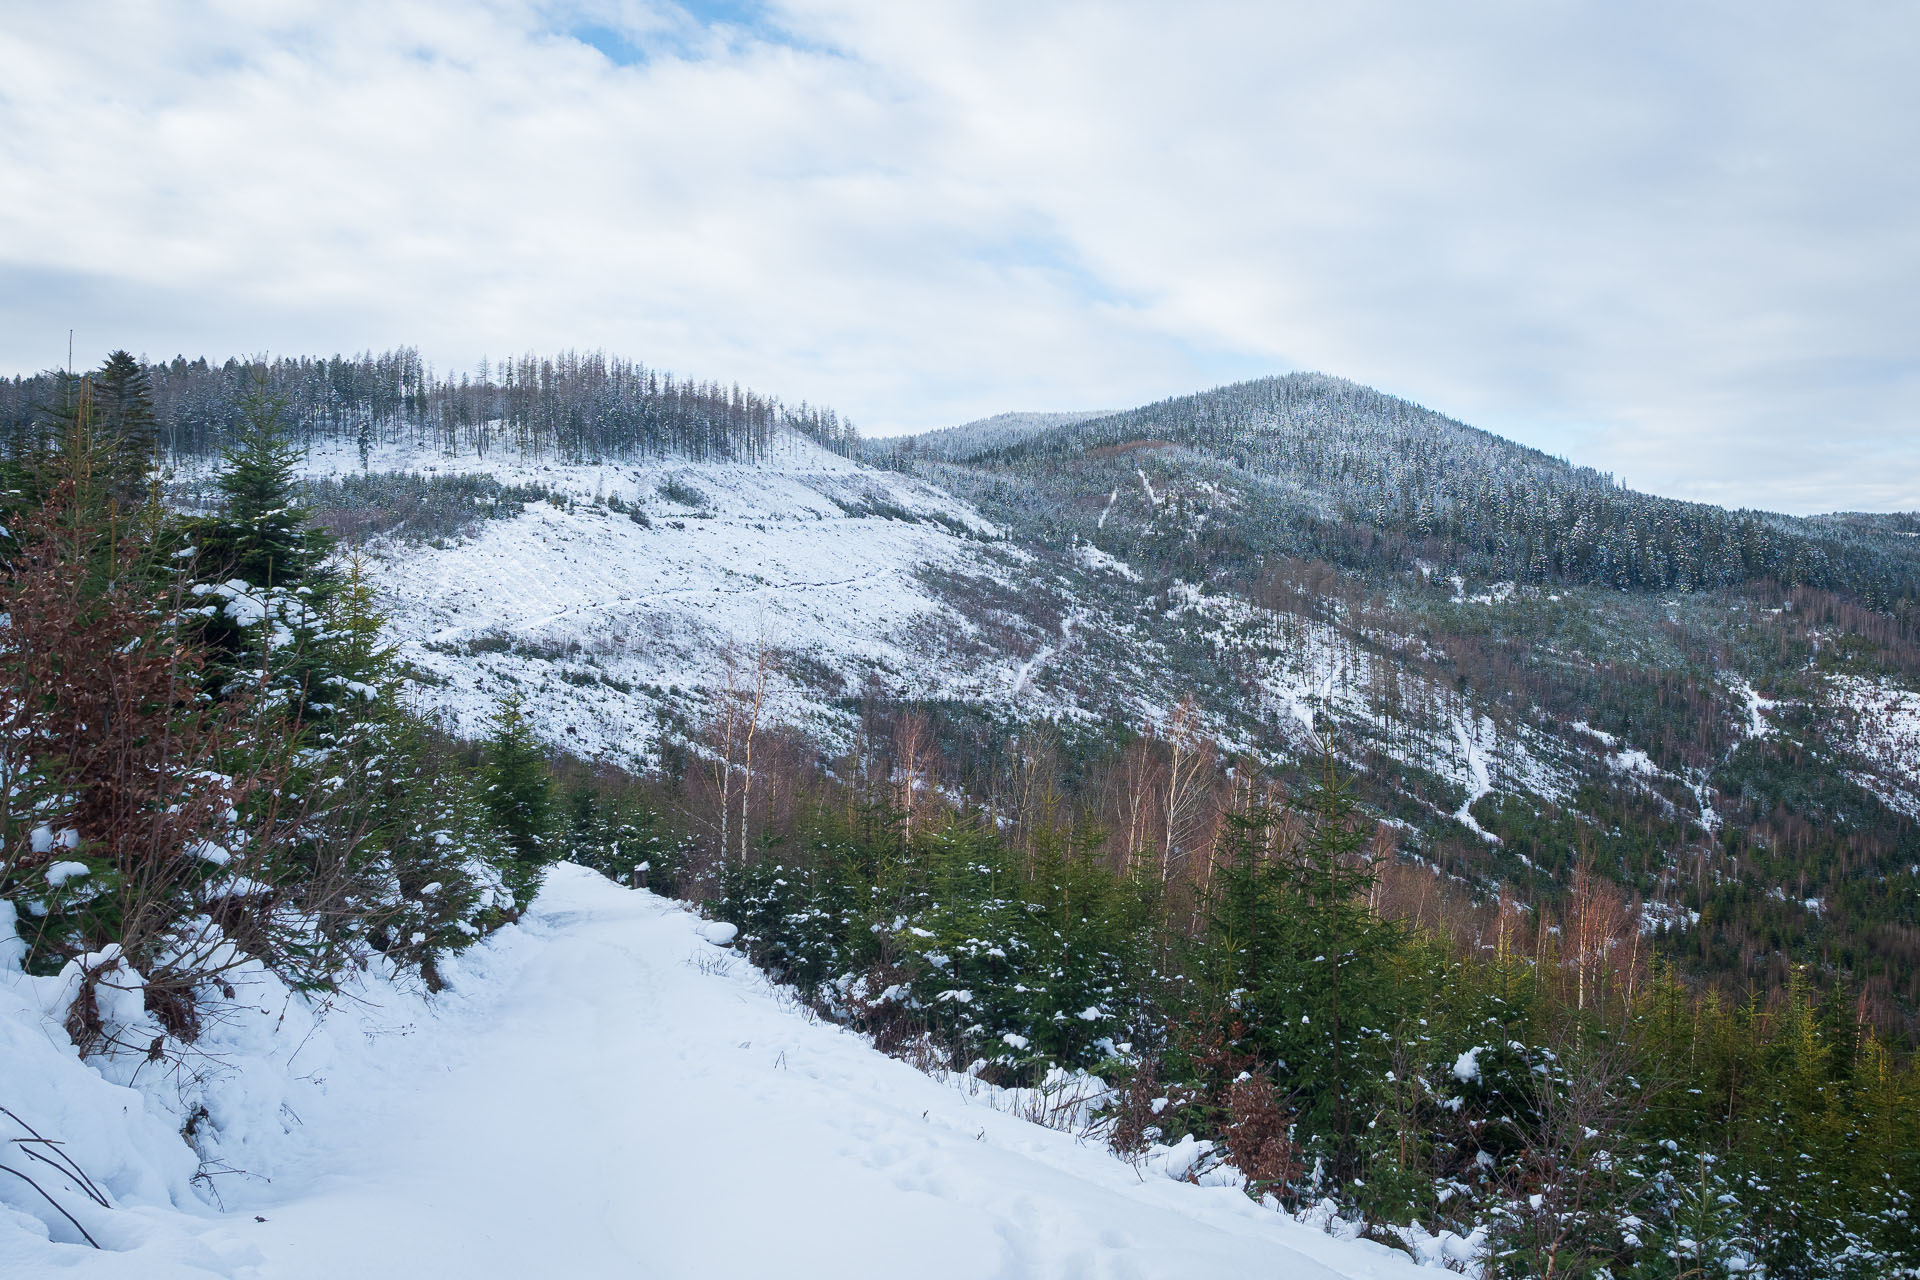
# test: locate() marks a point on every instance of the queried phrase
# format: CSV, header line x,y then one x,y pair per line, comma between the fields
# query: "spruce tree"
x,y
263,576
1297,959
1351,948
519,786
125,421
357,652
263,534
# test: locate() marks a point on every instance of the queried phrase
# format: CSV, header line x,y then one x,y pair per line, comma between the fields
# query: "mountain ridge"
x,y
1403,471
1506,723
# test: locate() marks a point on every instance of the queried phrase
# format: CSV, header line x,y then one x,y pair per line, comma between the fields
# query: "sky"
x,y
1676,242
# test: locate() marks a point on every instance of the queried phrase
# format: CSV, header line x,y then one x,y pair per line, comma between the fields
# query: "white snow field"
x,y
604,1092
600,623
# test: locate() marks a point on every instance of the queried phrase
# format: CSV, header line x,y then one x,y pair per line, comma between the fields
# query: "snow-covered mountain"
x,y
1098,589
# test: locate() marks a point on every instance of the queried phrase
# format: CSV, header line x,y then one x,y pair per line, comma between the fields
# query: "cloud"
x,y
1676,243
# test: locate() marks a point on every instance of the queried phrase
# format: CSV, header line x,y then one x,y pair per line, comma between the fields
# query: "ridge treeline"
x,y
575,405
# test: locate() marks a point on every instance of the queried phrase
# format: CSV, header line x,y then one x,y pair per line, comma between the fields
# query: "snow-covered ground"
x,y
1477,771
1304,671
604,1092
1880,722
1757,706
602,624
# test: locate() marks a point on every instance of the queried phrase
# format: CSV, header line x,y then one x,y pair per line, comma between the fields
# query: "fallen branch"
x,y
6,1168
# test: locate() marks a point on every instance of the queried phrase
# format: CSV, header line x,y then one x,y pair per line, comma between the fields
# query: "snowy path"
x,y
595,1101
1480,783
1043,655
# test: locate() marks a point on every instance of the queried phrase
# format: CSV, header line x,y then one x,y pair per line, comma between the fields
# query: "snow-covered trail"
x,y
598,1098
1481,783
1044,654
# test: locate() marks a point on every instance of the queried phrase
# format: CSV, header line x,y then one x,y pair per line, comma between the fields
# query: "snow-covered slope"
x,y
611,629
605,625
605,1093
1880,722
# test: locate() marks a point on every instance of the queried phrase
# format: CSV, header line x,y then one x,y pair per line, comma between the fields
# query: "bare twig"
x,y
6,1168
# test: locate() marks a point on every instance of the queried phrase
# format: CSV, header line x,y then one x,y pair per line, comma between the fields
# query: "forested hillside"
x,y
1357,460
1714,709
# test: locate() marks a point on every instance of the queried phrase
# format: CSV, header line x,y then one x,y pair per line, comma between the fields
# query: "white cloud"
x,y
1678,243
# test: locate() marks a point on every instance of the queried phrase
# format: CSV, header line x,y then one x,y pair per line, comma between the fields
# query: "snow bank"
x,y
153,1135
129,1149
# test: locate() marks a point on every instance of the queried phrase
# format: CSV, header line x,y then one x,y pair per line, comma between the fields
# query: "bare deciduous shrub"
x,y
1133,1114
1259,1134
